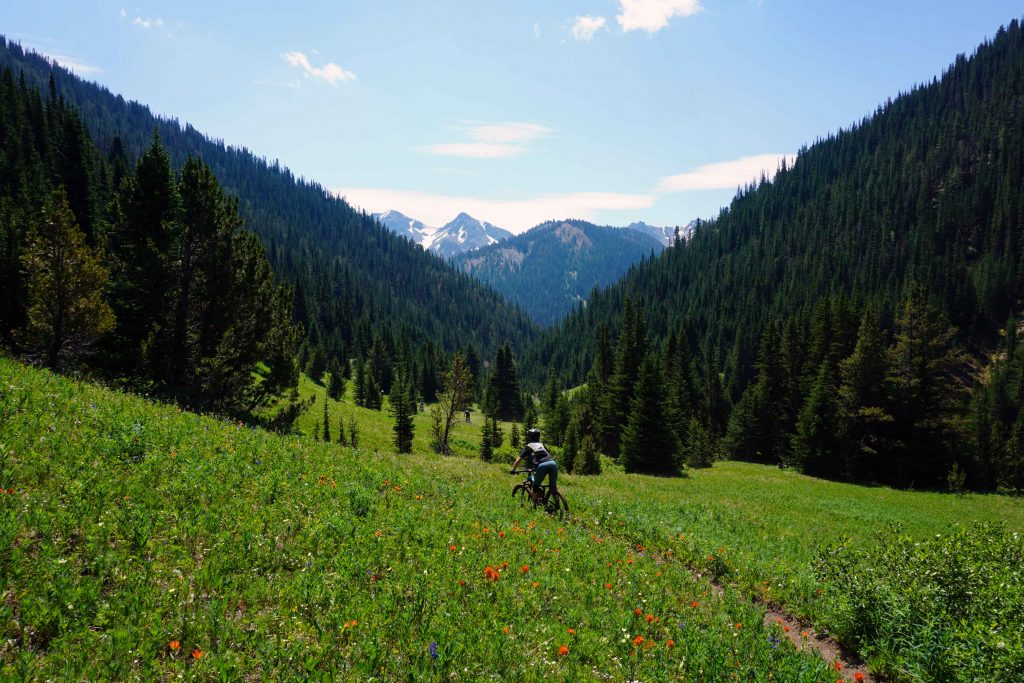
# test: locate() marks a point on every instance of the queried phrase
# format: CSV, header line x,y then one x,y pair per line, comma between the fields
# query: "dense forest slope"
x,y
355,281
906,226
552,267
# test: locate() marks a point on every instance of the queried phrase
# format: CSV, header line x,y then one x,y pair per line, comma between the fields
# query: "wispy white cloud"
x,y
71,63
155,22
329,72
725,175
515,215
491,140
653,15
584,27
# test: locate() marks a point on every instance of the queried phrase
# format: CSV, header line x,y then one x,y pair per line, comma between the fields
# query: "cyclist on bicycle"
x,y
539,462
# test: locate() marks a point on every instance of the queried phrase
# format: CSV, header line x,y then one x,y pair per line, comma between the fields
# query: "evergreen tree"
x,y
590,460
486,442
402,409
336,383
374,400
514,437
815,444
361,388
353,433
649,444
530,414
497,434
504,386
700,448
926,392
64,278
863,404
629,355
327,421
342,438
571,447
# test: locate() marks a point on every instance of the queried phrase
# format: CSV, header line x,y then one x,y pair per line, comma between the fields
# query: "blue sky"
x,y
515,111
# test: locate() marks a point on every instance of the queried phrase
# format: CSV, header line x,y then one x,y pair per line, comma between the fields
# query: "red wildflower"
x,y
637,640
524,569
501,534
670,643
563,650
452,548
197,654
859,677
650,618
571,631
694,604
838,665
608,586
174,645
638,611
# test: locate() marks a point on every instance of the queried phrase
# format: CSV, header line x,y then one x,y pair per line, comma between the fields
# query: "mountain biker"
x,y
539,462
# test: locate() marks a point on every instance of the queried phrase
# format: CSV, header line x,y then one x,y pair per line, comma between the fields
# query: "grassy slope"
x,y
131,525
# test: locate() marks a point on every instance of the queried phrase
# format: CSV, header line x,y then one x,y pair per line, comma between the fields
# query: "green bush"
x,y
950,608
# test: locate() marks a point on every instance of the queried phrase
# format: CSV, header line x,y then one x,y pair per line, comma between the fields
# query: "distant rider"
x,y
539,462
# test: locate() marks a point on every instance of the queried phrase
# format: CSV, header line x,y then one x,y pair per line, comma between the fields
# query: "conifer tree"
x,y
353,433
863,404
815,443
514,438
700,448
486,442
327,420
361,389
497,433
590,460
649,444
629,355
336,384
342,438
374,400
529,414
402,408
64,279
571,446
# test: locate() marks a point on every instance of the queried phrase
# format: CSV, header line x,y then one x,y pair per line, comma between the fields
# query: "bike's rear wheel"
x,y
556,504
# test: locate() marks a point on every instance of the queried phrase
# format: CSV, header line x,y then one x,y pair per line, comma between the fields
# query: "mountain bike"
x,y
553,502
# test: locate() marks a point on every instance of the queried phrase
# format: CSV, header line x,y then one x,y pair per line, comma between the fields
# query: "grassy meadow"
x,y
142,542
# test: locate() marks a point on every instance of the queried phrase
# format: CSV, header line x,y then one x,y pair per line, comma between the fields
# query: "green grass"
x,y
131,525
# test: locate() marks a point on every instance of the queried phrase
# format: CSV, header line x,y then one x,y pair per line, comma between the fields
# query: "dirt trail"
x,y
803,636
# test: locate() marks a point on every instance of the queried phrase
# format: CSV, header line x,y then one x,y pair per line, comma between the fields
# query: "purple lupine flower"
x,y
433,650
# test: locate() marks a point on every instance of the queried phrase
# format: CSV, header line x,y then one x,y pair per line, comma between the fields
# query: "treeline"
x,y
133,271
915,215
358,288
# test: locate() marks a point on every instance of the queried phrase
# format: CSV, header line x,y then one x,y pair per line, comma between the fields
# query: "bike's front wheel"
x,y
521,493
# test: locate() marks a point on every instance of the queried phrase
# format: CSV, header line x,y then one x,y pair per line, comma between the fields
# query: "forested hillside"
x,y
556,265
357,286
851,299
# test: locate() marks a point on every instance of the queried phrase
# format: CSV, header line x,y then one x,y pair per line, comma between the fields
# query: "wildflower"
x,y
505,630
804,634
433,650
669,644
694,604
838,665
462,582
638,640
738,626
650,618
859,677
524,569
571,631
452,548
197,654
174,645
378,533
504,565
608,586
786,629
536,583
563,650
638,611
501,534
